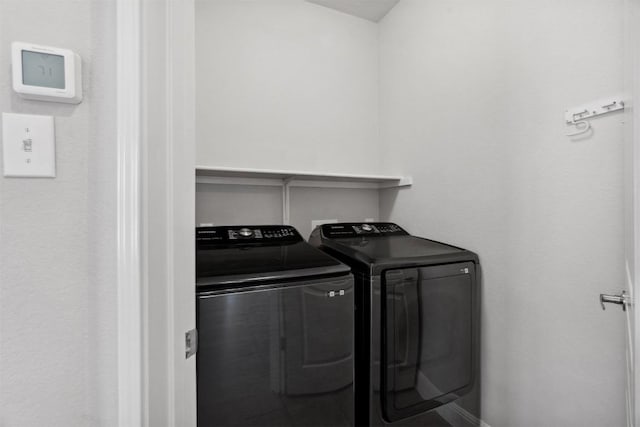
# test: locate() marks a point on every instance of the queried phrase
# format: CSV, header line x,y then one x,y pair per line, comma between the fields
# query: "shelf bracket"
x,y
286,201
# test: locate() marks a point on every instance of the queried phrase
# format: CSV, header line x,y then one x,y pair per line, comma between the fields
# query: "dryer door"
x,y
428,338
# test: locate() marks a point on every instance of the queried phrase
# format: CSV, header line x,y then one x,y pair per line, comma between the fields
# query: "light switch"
x,y
28,146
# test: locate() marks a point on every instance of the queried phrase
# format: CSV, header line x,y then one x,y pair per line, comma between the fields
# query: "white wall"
x,y
346,205
243,205
238,205
57,247
285,84
472,102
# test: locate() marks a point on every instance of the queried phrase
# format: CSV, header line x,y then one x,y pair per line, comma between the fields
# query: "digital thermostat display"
x,y
42,69
45,73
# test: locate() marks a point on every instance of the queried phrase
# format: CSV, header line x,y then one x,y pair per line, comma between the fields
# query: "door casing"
x,y
156,211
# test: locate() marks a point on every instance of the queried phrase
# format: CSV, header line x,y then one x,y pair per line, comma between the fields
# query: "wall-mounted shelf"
x,y
289,179
268,177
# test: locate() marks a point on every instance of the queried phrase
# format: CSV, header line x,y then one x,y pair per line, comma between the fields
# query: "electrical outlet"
x,y
317,222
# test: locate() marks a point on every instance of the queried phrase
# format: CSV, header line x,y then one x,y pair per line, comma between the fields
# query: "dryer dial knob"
x,y
245,232
367,227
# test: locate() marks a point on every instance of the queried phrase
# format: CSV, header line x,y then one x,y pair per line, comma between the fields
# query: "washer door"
x,y
428,338
278,356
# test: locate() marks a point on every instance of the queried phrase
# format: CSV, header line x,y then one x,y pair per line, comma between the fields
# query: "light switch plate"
x,y
28,146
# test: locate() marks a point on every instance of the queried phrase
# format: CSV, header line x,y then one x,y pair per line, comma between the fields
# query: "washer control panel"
x,y
346,230
246,234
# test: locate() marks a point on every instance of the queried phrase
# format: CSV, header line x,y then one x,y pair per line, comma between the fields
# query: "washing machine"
x,y
275,319
417,325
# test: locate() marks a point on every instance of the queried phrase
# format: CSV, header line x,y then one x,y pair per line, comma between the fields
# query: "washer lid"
x,y
234,259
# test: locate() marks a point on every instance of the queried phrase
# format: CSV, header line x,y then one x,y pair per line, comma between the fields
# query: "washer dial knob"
x,y
245,232
367,227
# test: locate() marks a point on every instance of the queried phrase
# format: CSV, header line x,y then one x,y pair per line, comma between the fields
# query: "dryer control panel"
x,y
369,229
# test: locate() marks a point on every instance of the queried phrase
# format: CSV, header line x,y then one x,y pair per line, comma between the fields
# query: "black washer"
x,y
275,324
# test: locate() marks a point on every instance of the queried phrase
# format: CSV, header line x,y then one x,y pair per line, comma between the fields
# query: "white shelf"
x,y
269,177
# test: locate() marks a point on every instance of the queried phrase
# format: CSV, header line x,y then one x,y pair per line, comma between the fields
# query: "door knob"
x,y
622,299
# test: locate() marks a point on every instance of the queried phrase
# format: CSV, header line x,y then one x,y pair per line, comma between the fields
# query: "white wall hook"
x,y
578,116
580,131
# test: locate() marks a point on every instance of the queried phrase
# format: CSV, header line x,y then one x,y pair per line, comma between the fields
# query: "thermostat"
x,y
46,73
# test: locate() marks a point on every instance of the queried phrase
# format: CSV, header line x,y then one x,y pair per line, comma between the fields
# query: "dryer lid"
x,y
387,243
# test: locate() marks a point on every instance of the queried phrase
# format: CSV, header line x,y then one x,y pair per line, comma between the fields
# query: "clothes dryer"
x,y
417,325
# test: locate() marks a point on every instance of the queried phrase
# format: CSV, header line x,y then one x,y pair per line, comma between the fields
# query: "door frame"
x,y
633,249
155,104
129,266
633,269
633,227
632,202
